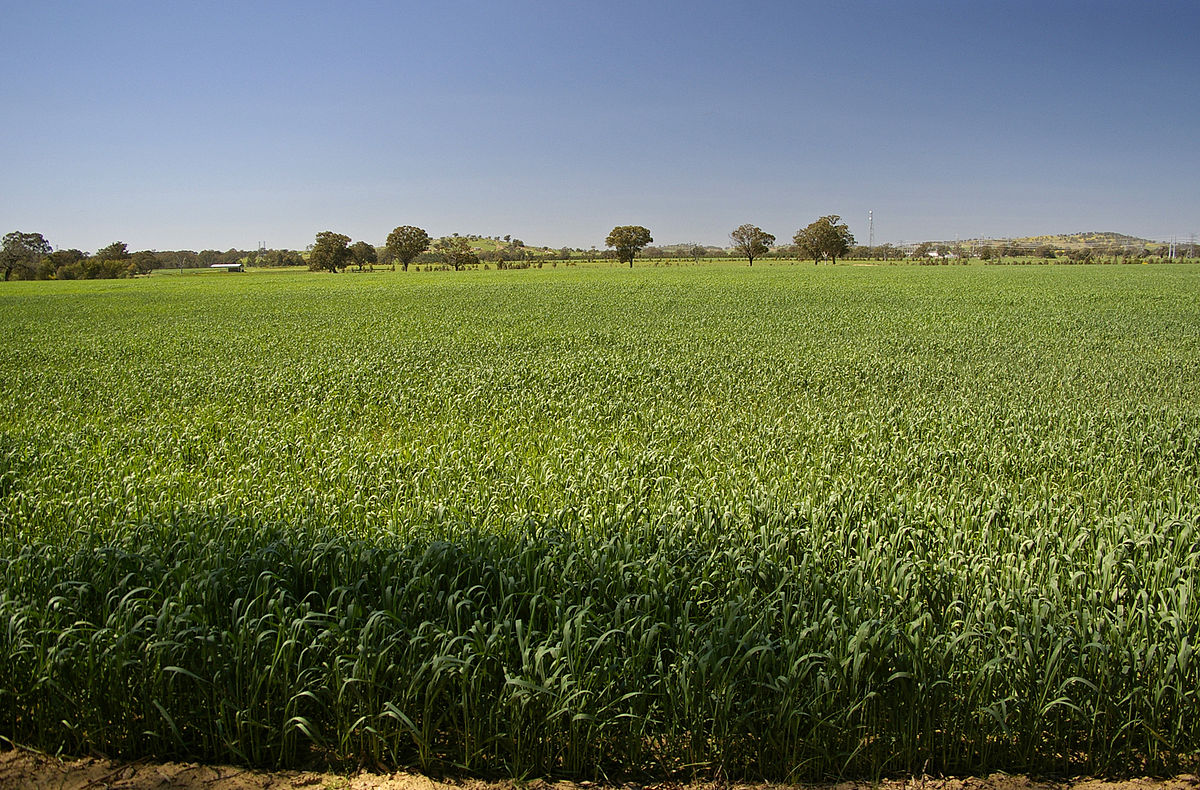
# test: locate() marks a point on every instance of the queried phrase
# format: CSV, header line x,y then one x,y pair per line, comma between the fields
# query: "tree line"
x,y
30,256
827,238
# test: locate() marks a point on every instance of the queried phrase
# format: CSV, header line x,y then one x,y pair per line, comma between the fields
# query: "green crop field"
x,y
787,522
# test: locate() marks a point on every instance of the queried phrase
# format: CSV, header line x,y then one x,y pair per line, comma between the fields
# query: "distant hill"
x,y
494,243
1087,239
686,248
1093,239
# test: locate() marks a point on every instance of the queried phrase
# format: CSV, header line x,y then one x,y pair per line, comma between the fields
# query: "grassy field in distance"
x,y
786,522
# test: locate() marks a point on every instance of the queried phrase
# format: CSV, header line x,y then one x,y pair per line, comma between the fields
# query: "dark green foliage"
x,y
279,258
827,238
142,262
803,643
456,251
363,254
626,240
751,241
21,253
405,243
117,251
330,253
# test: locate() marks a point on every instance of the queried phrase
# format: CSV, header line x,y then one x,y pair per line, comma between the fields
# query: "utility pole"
x,y
871,231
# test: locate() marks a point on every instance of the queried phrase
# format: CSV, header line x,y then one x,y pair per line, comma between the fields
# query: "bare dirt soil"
x,y
22,770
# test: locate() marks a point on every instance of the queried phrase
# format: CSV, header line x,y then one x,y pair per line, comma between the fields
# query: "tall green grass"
x,y
787,523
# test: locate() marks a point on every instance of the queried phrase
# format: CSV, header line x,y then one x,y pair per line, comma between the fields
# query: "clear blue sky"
x,y
173,125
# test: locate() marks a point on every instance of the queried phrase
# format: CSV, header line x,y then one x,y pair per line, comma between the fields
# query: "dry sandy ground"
x,y
30,771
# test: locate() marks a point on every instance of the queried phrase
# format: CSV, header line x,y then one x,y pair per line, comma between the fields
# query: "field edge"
x,y
22,769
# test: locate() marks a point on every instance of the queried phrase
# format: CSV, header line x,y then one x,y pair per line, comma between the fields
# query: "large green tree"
x,y
331,253
143,262
363,254
751,241
458,252
63,265
405,243
22,252
117,251
828,237
627,240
